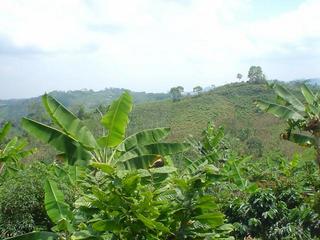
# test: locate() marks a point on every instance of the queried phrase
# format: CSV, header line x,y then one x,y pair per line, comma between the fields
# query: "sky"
x,y
153,45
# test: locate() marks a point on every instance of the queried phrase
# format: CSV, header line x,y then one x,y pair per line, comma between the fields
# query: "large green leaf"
x,y
301,139
55,205
279,110
288,97
72,150
194,165
36,236
144,137
116,120
4,131
68,122
104,167
163,149
140,162
214,219
308,94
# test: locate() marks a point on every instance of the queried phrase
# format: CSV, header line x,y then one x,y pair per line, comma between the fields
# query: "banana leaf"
x,y
116,121
308,94
140,162
55,205
279,110
144,137
69,122
4,131
289,97
163,149
73,151
302,140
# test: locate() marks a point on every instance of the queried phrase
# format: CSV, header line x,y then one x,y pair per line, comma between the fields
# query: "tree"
x,y
303,119
181,89
256,75
81,114
239,76
176,93
197,89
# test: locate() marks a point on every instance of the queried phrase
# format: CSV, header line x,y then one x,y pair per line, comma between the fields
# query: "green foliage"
x,y
274,215
255,146
116,120
197,89
77,145
21,202
303,119
57,210
11,152
155,204
256,75
176,93
132,188
36,236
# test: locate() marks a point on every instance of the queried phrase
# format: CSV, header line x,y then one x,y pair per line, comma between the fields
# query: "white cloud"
x,y
186,42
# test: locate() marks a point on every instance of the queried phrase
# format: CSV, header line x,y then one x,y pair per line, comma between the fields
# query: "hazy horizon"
x,y
144,46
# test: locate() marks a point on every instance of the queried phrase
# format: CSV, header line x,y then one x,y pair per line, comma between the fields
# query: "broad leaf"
x,y
104,167
150,223
116,120
36,236
72,150
193,165
163,149
279,110
69,122
140,162
4,131
301,139
308,95
106,225
163,170
214,219
145,137
55,205
288,97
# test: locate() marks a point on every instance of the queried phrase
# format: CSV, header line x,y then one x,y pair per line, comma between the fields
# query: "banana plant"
x,y
211,149
302,117
78,146
13,151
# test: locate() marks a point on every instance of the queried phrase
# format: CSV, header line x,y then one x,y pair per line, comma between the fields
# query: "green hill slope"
x,y
231,105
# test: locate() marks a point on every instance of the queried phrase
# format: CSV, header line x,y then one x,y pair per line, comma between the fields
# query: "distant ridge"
x,y
14,109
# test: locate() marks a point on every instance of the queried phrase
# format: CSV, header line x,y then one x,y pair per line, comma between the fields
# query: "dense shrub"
x,y
22,199
21,202
274,214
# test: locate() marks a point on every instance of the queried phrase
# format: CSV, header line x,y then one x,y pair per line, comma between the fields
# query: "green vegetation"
x,y
219,172
256,75
299,116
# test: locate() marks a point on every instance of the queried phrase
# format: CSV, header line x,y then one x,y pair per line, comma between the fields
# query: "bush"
x,y
274,214
21,202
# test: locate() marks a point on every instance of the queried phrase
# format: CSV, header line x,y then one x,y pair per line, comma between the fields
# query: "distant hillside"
x,y
15,109
231,106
